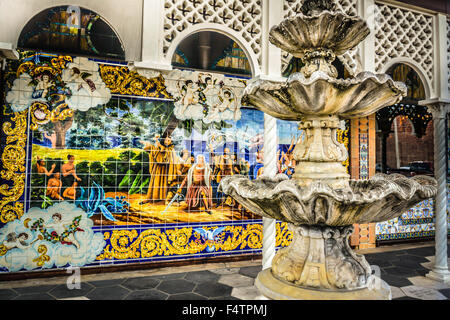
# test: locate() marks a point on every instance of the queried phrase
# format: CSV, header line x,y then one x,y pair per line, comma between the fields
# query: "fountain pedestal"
x,y
319,264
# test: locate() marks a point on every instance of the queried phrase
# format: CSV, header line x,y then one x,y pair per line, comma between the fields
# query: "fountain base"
x,y
276,289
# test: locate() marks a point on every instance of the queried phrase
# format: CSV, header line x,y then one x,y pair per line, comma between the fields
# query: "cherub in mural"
x,y
82,80
43,83
208,89
198,180
16,241
228,104
189,94
41,168
54,187
163,167
59,227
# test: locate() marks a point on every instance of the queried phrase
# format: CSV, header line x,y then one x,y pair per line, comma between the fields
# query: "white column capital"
x,y
8,51
438,107
152,56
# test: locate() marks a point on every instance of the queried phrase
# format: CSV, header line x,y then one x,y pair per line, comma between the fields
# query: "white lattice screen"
x,y
244,17
401,32
292,8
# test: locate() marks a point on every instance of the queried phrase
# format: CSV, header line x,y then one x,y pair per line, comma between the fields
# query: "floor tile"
x,y
7,294
202,276
75,298
445,292
396,281
176,286
149,294
423,293
34,289
186,296
245,293
211,290
397,292
34,296
108,293
106,283
141,283
236,280
226,270
428,283
250,271
62,291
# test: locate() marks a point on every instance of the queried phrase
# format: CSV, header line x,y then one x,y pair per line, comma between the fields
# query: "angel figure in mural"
x,y
163,167
54,187
198,180
59,227
42,84
14,240
209,89
41,168
228,104
82,81
189,94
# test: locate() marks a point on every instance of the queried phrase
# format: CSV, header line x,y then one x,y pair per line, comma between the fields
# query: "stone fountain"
x,y
321,202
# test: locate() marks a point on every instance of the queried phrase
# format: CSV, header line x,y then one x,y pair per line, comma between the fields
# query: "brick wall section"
x,y
364,235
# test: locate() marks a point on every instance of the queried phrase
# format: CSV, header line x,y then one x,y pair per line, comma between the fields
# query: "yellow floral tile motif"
x,y
43,258
13,163
129,244
284,235
120,80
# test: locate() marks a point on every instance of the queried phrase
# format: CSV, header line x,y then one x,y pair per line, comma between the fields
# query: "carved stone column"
x,y
439,110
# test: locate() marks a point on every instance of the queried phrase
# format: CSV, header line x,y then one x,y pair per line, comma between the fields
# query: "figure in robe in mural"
x,y
184,164
223,169
54,187
198,180
163,168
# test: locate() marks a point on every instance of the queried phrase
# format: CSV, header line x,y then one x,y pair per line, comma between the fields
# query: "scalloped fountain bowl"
x,y
322,95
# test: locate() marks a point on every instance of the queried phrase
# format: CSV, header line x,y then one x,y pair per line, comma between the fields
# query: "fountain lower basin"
x,y
319,263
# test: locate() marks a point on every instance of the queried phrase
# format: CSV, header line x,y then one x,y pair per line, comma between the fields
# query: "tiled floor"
x,y
403,269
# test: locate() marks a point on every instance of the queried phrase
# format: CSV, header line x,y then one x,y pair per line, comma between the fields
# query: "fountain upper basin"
x,y
323,95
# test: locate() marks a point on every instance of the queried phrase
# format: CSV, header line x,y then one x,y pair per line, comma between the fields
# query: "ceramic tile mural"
x,y
101,165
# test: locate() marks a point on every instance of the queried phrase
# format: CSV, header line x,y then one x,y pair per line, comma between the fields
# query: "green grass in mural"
x,y
80,155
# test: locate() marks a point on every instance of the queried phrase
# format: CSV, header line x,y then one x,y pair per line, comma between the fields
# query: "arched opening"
x,y
71,30
211,51
405,130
